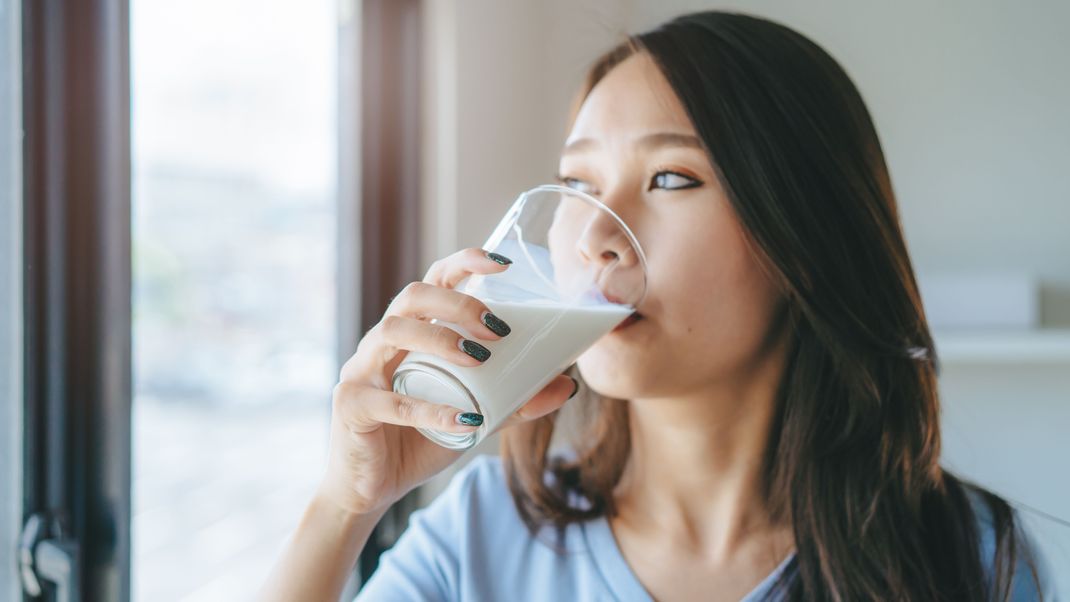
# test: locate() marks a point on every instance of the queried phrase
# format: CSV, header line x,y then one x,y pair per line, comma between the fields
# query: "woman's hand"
x,y
375,455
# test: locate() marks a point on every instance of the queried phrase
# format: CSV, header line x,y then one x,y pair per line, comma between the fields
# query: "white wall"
x,y
501,76
969,100
1005,426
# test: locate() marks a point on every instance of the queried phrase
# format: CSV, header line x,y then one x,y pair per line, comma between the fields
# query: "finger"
x,y
449,271
398,333
364,409
424,301
550,398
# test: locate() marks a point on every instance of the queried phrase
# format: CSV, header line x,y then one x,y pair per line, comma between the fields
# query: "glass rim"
x,y
499,234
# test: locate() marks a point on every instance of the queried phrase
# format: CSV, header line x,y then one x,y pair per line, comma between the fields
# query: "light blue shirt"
x,y
470,544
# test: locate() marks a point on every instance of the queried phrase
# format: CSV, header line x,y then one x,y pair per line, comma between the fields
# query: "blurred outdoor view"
x,y
234,293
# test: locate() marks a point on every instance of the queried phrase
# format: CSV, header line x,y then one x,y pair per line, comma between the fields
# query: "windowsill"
x,y
1042,346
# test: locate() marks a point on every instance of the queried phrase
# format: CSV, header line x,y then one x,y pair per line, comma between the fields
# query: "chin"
x,y
613,372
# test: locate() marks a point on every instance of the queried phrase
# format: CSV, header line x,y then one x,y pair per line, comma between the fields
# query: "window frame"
x,y
76,284
380,114
10,298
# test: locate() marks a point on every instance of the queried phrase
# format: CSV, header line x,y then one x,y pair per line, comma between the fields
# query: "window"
x,y
234,217
180,270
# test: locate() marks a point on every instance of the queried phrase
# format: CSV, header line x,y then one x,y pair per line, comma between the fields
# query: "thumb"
x,y
552,397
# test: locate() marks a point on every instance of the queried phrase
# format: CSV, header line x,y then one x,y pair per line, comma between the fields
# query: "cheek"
x,y
720,290
714,307
704,275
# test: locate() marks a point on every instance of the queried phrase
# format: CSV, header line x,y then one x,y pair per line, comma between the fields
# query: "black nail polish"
x,y
576,388
496,324
475,350
501,259
470,418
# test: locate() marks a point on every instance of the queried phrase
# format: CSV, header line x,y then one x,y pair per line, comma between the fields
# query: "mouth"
x,y
632,319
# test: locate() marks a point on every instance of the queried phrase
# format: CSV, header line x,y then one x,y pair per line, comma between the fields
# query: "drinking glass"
x,y
577,273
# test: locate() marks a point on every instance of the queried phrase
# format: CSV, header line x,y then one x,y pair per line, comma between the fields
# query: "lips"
x,y
632,319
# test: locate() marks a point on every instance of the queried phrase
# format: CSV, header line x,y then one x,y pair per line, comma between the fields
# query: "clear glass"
x,y
577,272
234,286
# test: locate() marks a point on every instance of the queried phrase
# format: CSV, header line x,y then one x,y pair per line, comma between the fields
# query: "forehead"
x,y
633,97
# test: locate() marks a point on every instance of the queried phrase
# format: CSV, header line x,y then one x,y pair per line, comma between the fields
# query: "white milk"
x,y
545,339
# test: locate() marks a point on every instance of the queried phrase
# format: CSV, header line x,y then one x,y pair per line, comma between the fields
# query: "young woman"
x,y
769,427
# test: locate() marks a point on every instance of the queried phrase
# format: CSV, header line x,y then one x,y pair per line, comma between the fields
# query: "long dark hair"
x,y
853,457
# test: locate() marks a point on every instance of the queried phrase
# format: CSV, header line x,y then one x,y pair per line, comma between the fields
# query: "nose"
x,y
603,242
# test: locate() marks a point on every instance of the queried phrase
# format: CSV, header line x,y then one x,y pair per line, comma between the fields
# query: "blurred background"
x,y
267,137
234,159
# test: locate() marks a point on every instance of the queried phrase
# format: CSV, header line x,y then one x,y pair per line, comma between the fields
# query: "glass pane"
x,y
234,291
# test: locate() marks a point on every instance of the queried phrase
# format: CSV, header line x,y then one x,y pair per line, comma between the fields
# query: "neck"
x,y
696,468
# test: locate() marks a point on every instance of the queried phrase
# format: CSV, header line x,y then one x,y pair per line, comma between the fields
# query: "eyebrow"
x,y
647,142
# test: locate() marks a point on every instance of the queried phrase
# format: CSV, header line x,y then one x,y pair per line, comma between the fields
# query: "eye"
x,y
671,180
577,184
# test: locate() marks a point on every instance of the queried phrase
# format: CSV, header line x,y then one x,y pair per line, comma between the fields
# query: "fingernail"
x,y
475,350
575,389
496,324
470,418
502,259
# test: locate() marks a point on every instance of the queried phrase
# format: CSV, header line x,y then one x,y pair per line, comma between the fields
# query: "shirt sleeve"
x,y
424,564
1030,556
1023,585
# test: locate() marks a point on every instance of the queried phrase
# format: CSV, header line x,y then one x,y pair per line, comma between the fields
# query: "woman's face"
x,y
709,313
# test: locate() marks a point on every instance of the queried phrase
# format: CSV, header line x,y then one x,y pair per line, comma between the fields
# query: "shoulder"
x,y
481,475
484,522
475,488
444,543
482,482
479,492
475,494
471,525
1030,557
479,512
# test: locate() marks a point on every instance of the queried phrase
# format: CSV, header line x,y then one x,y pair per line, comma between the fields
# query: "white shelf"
x,y
1042,346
